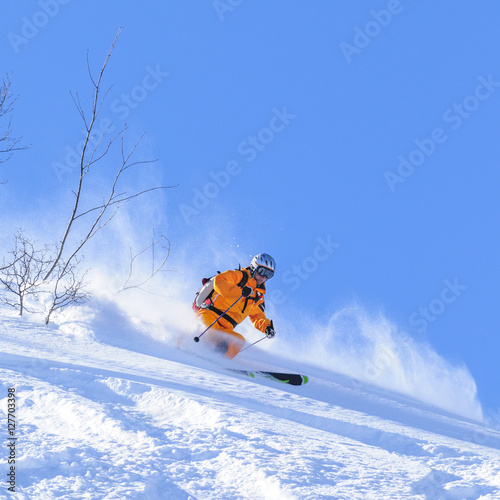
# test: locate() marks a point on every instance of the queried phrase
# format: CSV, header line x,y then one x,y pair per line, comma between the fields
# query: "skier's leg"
x,y
225,340
236,343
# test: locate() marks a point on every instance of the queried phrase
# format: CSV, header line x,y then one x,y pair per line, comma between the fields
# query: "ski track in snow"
x,y
100,421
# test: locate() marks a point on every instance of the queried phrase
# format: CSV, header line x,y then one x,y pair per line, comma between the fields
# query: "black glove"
x,y
246,291
270,333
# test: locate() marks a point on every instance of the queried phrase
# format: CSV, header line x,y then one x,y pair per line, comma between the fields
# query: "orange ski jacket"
x,y
227,288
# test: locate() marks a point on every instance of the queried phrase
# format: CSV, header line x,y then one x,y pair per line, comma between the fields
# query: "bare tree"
x,y
97,217
101,214
34,271
23,276
69,288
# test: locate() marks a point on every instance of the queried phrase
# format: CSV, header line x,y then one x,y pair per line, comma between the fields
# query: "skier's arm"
x,y
226,284
259,320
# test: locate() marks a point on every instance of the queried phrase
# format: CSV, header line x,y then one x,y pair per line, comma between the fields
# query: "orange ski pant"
x,y
220,335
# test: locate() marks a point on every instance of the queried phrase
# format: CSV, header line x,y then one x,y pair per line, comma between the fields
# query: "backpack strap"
x,y
243,280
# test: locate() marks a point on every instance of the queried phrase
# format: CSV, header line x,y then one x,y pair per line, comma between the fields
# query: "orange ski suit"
x,y
227,288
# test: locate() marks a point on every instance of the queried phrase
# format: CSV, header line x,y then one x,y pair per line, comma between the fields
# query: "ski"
x,y
286,378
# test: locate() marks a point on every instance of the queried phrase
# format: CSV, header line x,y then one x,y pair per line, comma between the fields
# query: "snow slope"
x,y
104,411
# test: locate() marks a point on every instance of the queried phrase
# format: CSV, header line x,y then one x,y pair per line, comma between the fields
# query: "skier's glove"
x,y
270,333
246,291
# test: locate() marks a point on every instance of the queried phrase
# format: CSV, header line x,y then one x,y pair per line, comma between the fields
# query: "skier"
x,y
247,285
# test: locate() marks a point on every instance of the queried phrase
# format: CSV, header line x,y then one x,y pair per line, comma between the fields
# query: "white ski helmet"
x,y
263,264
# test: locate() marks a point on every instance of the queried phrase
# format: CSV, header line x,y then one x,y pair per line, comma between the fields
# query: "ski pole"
x,y
256,342
197,339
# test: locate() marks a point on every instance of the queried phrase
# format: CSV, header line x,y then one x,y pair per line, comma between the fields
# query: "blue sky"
x,y
357,142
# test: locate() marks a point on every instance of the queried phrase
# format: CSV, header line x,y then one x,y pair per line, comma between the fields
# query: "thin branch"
x,y
6,105
155,269
123,200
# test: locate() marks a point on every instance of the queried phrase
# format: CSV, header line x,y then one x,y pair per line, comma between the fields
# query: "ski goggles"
x,y
265,272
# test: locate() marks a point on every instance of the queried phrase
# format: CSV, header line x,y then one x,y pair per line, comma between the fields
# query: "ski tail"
x,y
286,378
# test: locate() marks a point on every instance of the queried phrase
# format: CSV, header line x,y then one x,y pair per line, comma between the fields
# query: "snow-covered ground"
x,y
104,411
